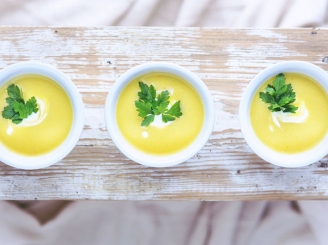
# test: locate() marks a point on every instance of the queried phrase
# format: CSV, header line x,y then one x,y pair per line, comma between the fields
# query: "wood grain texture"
x,y
225,59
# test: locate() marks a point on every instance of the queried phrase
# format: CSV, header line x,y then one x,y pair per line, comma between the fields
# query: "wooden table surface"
x,y
225,59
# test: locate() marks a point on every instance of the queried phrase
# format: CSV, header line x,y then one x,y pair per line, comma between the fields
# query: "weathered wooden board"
x,y
225,59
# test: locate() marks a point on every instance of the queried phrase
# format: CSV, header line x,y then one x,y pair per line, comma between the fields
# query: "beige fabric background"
x,y
147,222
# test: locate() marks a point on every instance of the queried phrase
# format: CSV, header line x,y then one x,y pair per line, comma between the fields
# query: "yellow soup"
x,y
305,129
45,130
172,137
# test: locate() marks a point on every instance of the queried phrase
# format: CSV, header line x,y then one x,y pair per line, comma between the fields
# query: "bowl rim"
x,y
277,158
159,160
21,161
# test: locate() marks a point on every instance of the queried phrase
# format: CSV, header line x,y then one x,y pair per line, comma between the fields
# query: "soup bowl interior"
x,y
158,160
34,162
281,159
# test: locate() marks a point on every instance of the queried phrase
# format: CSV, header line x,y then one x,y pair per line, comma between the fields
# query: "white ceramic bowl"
x,y
34,162
284,160
155,160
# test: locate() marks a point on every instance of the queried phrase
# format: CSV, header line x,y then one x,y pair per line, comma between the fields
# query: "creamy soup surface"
x,y
305,129
45,130
155,139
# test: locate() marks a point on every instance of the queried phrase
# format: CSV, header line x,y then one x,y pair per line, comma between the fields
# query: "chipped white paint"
x,y
94,124
240,56
223,118
272,34
226,60
267,33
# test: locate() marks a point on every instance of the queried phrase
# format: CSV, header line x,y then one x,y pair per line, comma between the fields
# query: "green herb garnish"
x,y
279,95
149,105
17,109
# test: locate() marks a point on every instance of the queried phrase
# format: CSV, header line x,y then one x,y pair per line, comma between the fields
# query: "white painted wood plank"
x,y
225,59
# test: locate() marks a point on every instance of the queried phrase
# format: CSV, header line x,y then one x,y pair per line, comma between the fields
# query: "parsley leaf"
x,y
31,106
15,93
149,105
20,108
17,109
8,112
146,93
148,120
279,95
163,97
144,108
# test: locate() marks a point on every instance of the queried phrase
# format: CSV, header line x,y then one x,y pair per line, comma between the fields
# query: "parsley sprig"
x,y
149,105
17,109
279,96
